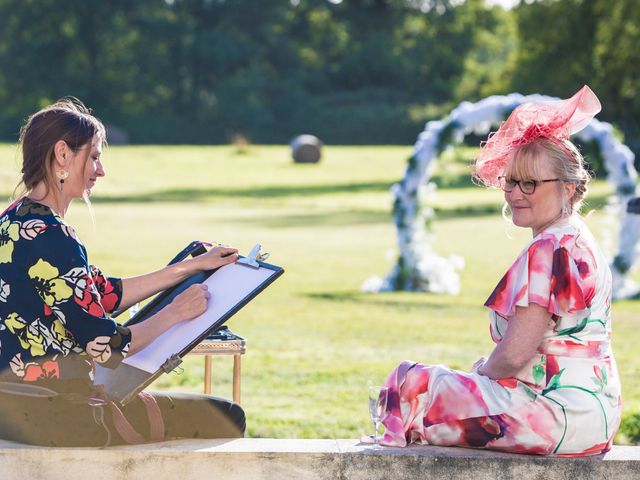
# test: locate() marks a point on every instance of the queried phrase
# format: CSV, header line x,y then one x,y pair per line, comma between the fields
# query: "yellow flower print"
x,y
33,343
14,322
30,339
58,330
9,233
60,339
50,288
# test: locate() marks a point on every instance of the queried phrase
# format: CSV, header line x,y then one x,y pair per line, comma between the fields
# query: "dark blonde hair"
x,y
566,163
68,120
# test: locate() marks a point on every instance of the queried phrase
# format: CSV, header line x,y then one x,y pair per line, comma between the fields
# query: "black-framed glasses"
x,y
526,186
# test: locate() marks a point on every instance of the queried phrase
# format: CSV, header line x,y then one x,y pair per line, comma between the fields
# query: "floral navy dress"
x,y
54,328
53,304
566,401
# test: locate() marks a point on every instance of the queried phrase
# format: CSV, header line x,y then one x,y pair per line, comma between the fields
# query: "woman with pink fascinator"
x,y
550,386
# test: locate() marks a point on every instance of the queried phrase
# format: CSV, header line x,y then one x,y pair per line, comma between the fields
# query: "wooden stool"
x,y
223,342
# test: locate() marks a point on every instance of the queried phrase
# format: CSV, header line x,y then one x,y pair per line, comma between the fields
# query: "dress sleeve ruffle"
x,y
557,274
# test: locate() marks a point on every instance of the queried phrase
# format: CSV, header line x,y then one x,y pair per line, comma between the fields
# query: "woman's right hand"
x,y
190,303
186,306
478,365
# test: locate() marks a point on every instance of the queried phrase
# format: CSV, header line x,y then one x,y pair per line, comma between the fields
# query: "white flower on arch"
x,y
419,268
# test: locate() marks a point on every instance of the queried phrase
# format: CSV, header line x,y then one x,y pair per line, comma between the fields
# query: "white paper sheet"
x,y
228,286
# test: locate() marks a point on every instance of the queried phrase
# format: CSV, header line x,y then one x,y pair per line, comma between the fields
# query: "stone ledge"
x,y
282,459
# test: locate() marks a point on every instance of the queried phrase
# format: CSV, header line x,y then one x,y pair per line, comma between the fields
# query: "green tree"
x,y
617,65
556,41
489,62
564,44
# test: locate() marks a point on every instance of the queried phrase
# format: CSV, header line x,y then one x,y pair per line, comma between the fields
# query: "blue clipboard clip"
x,y
254,256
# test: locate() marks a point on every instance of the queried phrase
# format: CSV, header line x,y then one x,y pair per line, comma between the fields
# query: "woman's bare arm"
x,y
135,289
520,342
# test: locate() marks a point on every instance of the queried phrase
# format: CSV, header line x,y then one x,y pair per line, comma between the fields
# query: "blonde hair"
x,y
565,160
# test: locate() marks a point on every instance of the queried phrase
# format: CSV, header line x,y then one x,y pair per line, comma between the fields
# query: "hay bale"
x,y
306,149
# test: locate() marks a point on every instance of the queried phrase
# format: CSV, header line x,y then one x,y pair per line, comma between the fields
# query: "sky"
x,y
503,3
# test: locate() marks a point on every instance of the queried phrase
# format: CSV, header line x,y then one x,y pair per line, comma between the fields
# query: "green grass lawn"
x,y
314,340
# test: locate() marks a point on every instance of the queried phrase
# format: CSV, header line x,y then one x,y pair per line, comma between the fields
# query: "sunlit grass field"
x,y
314,341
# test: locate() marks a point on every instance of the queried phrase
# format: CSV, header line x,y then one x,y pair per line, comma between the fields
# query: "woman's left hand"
x,y
216,257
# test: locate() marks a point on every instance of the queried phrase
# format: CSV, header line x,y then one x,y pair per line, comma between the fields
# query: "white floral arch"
x,y
419,268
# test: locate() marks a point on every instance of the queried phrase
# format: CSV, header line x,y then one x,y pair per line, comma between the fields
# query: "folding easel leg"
x,y
236,378
207,374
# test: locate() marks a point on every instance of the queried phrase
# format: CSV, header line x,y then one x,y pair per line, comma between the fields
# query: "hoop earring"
x,y
62,176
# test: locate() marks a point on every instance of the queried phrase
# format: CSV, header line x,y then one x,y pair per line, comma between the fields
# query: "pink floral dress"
x,y
566,401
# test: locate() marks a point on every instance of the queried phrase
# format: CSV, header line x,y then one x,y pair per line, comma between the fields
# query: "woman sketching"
x,y
54,307
550,385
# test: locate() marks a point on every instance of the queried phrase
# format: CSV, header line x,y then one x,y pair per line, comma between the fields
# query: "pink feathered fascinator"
x,y
555,120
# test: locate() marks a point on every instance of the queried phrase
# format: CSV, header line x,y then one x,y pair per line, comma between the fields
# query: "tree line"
x,y
351,72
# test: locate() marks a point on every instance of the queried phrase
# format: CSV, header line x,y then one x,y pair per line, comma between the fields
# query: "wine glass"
x,y
377,407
